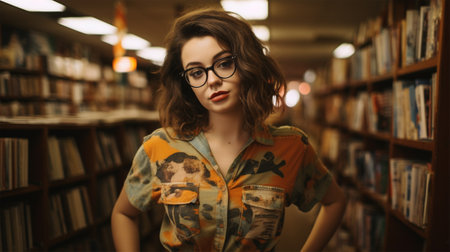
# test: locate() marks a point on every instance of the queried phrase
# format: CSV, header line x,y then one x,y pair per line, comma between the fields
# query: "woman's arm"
x,y
328,220
124,224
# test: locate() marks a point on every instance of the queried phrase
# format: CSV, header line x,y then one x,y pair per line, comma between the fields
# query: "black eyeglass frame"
x,y
206,69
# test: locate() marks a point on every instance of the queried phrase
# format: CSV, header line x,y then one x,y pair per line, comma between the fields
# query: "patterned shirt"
x,y
242,210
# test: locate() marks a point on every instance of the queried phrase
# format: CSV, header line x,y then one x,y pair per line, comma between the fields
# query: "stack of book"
x,y
366,223
65,158
107,151
414,108
13,163
410,182
379,111
15,228
107,195
69,211
420,31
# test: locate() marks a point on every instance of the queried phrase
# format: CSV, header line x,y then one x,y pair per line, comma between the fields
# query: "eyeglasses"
x,y
223,68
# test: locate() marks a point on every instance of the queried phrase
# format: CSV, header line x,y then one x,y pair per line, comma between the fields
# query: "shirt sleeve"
x,y
312,182
140,181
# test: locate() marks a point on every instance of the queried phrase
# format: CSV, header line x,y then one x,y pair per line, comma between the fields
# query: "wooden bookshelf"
x,y
434,235
38,193
64,101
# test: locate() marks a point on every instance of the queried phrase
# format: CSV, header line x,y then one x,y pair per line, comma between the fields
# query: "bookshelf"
x,y
63,212
375,108
69,127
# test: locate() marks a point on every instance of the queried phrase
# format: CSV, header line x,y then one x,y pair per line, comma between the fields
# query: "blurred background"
x,y
78,83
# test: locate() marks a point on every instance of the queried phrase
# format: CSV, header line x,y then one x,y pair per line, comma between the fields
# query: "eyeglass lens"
x,y
222,68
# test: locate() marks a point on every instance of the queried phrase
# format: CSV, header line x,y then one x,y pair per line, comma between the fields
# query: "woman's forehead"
x,y
201,50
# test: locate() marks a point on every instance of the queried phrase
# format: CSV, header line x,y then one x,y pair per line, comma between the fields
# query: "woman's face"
x,y
217,95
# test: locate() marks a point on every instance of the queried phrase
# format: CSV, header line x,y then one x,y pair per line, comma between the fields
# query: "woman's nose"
x,y
212,78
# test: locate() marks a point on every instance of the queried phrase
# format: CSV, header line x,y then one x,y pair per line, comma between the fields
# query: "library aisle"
x,y
70,124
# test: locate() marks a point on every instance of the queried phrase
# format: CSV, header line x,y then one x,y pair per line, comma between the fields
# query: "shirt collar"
x,y
262,135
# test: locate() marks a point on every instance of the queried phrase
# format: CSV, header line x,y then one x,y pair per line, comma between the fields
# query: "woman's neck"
x,y
226,138
226,128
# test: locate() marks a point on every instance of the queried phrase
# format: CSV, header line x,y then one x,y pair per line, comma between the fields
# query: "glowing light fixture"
x,y
87,25
37,5
129,42
304,88
155,54
248,9
309,76
344,50
261,32
124,64
292,98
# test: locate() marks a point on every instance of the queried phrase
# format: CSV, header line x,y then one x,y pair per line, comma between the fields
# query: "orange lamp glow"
x,y
124,64
304,88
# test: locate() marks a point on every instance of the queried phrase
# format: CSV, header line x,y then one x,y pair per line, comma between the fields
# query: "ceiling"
x,y
303,32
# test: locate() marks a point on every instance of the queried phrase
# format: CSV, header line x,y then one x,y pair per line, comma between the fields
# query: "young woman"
x,y
223,175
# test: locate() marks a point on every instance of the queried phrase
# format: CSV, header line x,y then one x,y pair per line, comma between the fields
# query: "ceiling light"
x,y
37,5
248,9
124,64
309,76
87,25
292,98
304,88
261,32
129,42
155,54
344,50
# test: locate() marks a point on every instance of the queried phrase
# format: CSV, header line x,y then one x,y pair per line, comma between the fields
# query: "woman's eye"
x,y
196,73
226,63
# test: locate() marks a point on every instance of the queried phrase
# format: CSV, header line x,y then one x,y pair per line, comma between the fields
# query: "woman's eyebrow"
x,y
215,57
219,54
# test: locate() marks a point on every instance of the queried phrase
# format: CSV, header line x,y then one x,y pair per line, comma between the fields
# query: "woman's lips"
x,y
218,96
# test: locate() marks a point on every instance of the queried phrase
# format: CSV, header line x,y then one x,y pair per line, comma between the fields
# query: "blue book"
x,y
413,111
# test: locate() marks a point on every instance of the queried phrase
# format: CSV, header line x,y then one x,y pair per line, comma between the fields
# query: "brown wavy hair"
x,y
260,76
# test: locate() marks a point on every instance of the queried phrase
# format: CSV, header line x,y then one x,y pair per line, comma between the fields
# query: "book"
x,y
410,181
339,70
433,107
359,113
403,42
423,99
366,223
434,17
379,111
422,32
65,158
16,228
412,17
107,195
100,159
109,149
76,164
55,226
86,205
14,166
56,170
69,211
412,131
354,147
426,197
383,51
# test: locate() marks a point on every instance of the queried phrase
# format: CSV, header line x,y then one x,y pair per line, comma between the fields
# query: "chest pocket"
x,y
263,211
181,203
